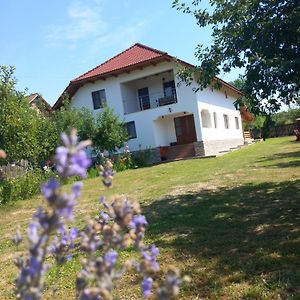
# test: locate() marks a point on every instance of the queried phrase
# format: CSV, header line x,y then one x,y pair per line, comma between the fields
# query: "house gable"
x,y
136,57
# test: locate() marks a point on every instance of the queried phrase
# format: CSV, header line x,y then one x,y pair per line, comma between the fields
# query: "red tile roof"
x,y
134,55
137,56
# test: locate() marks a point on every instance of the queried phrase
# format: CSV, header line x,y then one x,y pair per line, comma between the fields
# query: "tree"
x,y
66,118
18,122
286,117
263,36
110,132
24,133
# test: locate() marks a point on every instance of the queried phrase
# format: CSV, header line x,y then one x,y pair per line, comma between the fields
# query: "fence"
x,y
283,130
275,131
14,170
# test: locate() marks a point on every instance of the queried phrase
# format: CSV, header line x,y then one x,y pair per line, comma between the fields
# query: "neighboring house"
x,y
37,102
160,112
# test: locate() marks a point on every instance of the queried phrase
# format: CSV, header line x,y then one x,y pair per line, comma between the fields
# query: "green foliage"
x,y
92,172
286,117
87,129
105,129
46,139
258,122
66,118
123,162
110,132
19,124
23,187
26,134
141,158
260,36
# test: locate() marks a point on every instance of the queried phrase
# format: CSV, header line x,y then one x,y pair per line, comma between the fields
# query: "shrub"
x,y
123,161
141,158
92,172
23,187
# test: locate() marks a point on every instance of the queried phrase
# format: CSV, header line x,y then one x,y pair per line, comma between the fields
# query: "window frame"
x,y
215,117
206,118
226,121
96,96
237,123
127,126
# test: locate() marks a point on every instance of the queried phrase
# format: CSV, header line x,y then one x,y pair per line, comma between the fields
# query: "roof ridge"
x,y
117,55
150,48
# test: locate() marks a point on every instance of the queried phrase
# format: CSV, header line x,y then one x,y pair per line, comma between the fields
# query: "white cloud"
x,y
83,22
88,28
124,36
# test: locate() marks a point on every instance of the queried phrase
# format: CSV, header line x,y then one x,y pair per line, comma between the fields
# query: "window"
x,y
237,123
205,116
215,120
99,99
130,128
169,89
226,121
144,98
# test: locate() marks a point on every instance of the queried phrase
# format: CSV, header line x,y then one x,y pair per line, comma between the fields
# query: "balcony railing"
x,y
153,101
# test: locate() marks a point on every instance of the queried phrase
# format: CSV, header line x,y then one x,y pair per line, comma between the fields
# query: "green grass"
x,y
231,223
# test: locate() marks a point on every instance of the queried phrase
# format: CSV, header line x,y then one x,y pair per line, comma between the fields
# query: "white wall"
x,y
216,101
165,131
130,102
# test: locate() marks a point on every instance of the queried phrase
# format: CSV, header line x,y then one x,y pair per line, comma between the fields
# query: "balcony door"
x,y
185,129
144,99
169,89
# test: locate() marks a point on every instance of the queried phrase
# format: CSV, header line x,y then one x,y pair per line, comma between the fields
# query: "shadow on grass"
x,y
249,230
292,157
294,154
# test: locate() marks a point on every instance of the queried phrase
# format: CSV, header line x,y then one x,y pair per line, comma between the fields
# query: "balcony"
x,y
155,100
149,101
149,92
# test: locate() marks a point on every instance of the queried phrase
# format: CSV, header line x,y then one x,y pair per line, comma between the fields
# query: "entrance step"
x,y
180,151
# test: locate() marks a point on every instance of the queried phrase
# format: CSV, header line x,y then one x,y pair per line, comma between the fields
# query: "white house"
x,y
160,112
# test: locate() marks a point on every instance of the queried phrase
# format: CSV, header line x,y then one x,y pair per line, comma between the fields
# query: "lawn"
x,y
231,223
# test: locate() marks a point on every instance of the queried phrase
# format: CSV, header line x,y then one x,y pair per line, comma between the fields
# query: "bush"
x,y
141,158
23,187
92,172
123,162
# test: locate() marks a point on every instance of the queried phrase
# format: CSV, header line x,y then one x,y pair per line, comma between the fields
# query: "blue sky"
x,y
52,42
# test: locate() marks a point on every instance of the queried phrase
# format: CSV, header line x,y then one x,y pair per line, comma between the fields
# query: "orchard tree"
x,y
110,132
18,122
262,36
24,133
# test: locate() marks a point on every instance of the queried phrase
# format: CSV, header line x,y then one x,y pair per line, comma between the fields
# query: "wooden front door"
x,y
185,129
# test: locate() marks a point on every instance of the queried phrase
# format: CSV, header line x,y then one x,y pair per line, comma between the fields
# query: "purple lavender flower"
x,y
147,286
71,159
76,189
87,295
61,229
150,256
33,232
138,221
104,216
64,203
111,258
107,173
73,233
49,189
